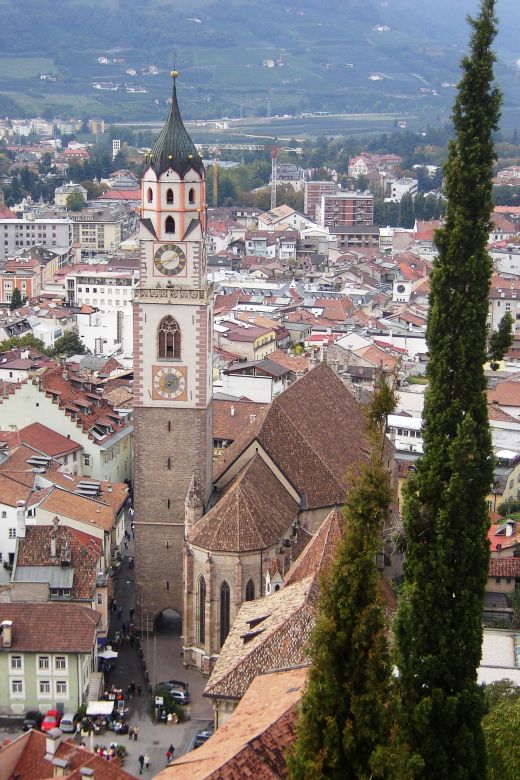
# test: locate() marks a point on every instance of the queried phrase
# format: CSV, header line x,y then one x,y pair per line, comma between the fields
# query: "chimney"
x,y
20,519
7,632
52,743
54,534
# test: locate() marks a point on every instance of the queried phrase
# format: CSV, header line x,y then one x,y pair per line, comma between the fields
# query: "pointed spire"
x,y
174,148
193,496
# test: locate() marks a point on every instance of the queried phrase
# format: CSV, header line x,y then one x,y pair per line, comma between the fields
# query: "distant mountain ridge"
x,y
353,55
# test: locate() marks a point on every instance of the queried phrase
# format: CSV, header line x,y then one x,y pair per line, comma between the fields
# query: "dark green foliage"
x,y
75,201
69,344
344,714
406,218
500,340
502,730
508,508
16,299
24,341
439,629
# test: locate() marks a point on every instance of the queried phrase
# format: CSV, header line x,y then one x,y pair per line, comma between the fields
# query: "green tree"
x,y
439,627
16,299
24,341
406,218
502,731
69,344
344,714
75,201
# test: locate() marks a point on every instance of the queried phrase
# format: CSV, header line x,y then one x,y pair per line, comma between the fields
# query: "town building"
x,y
312,193
47,655
62,193
18,234
97,230
40,756
401,187
346,208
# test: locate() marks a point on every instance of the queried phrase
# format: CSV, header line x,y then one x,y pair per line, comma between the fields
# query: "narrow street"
x,y
162,657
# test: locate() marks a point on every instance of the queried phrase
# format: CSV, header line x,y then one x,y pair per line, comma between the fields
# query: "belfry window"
x,y
169,197
202,610
191,195
169,225
224,612
169,339
149,195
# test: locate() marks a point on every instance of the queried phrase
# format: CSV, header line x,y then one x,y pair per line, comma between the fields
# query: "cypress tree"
x,y
344,715
439,626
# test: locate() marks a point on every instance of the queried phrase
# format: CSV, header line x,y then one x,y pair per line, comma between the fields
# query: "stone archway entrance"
x,y
163,647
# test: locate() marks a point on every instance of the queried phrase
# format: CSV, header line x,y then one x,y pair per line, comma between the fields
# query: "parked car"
x,y
181,697
183,686
202,736
32,720
69,722
51,720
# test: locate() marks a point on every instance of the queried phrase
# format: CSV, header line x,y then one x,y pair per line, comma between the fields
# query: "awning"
x,y
100,707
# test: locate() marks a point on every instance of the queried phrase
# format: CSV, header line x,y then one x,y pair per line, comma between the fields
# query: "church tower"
x,y
172,363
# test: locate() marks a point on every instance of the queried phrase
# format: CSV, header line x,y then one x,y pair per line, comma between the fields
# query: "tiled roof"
x,y
253,514
46,440
292,362
76,507
504,567
50,627
35,550
253,742
269,633
317,555
498,414
231,417
377,356
506,393
33,763
12,490
314,432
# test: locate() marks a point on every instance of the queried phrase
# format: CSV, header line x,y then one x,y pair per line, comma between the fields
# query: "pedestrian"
x,y
141,763
119,613
147,760
133,533
139,689
169,754
136,733
131,613
126,544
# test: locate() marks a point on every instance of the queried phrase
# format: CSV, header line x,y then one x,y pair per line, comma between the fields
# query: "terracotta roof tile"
x,y
35,550
46,440
230,418
318,553
506,393
314,432
32,763
269,633
254,740
504,567
252,514
50,627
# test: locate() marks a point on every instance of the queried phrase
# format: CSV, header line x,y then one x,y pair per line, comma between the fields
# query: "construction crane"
x,y
216,149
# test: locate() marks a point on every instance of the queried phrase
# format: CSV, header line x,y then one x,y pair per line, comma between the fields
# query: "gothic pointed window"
x,y
224,612
250,591
169,197
149,195
169,339
169,225
201,606
191,195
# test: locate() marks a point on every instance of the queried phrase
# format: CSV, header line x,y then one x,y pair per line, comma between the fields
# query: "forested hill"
x,y
351,55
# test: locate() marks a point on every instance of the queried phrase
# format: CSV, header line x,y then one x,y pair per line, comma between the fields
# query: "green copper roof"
x,y
174,148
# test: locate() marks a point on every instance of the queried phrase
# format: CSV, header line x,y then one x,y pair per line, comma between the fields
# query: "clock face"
x,y
169,383
169,259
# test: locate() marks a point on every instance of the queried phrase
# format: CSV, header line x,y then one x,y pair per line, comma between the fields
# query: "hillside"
x,y
355,55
